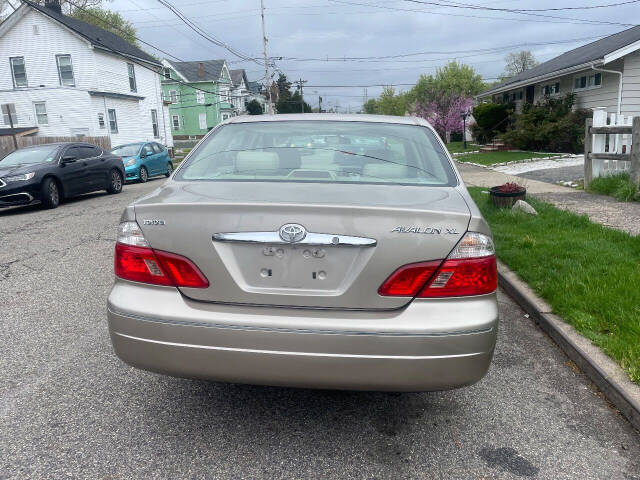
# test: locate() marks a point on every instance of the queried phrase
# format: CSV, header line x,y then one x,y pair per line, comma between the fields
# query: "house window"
x,y
200,96
550,89
132,77
173,96
113,121
18,71
225,116
36,30
65,70
587,82
175,120
41,113
154,123
202,119
167,73
101,120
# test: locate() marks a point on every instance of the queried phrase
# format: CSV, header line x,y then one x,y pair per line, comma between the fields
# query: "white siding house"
x,y
602,74
69,78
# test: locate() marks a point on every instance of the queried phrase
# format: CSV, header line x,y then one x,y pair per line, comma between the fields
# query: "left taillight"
x,y
470,269
135,260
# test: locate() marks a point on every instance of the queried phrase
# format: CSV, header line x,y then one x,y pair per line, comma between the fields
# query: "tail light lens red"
x,y
136,261
470,269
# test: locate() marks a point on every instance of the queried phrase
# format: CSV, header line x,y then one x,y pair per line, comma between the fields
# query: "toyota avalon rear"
x,y
353,260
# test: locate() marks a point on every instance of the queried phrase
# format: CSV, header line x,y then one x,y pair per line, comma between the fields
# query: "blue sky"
x,y
317,29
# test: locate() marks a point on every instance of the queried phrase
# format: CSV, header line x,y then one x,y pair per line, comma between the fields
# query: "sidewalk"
x,y
601,209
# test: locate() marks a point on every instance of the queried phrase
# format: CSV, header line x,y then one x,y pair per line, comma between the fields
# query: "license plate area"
x,y
293,269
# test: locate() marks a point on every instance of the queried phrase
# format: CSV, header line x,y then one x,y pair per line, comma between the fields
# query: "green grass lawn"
x,y
458,147
589,274
491,158
618,186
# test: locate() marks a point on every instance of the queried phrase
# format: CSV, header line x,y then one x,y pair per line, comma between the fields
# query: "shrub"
x,y
491,119
550,125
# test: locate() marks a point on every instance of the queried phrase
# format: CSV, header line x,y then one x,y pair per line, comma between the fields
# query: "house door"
x,y
529,93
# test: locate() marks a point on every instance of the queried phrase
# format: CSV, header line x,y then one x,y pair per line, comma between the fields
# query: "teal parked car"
x,y
144,160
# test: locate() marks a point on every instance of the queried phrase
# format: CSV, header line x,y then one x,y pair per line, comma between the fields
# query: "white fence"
x,y
608,145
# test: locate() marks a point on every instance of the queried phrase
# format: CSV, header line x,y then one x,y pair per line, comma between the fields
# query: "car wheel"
x,y
169,169
50,193
115,182
144,175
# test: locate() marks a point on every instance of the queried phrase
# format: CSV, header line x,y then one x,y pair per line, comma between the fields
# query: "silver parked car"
x,y
354,259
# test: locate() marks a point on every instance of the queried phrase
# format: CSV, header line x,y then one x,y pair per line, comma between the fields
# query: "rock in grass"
x,y
524,207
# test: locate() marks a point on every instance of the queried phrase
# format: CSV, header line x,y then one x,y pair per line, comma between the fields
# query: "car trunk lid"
x,y
357,235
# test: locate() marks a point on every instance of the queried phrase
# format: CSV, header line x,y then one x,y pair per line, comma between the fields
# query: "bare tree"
x,y
519,62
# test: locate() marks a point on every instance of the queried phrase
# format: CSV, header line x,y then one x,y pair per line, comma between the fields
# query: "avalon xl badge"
x,y
292,232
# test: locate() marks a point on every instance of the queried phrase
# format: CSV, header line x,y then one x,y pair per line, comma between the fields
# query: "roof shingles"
x,y
592,52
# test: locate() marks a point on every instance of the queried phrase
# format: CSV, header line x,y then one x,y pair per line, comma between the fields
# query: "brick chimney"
x,y
200,70
53,5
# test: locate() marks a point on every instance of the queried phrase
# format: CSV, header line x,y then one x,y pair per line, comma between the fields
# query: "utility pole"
x,y
300,85
319,104
266,62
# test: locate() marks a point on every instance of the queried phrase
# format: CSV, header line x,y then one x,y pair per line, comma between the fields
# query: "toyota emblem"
x,y
292,232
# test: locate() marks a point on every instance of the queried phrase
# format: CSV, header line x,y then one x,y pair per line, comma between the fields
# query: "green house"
x,y
199,96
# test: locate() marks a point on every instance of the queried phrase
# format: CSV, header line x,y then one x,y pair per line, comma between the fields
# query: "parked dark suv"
x,y
50,172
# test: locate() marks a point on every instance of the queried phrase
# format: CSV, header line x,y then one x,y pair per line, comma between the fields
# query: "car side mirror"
x,y
68,159
143,154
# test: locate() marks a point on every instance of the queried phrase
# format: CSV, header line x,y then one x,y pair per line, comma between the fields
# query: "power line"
x,y
193,26
566,20
588,7
509,10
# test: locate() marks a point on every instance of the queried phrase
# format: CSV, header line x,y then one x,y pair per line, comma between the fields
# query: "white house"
x,y
604,73
70,78
239,90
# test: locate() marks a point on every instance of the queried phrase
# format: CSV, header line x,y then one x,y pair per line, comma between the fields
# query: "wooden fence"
x,y
608,146
7,146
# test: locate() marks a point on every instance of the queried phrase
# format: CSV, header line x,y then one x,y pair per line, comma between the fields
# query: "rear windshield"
x,y
320,151
127,150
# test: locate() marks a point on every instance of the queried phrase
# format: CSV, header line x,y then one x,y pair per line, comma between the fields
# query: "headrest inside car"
x,y
386,170
256,162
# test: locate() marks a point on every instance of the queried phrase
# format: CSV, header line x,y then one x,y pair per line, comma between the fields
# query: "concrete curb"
x,y
612,381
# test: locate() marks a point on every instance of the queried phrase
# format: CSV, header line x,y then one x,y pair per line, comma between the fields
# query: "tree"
x,y
391,103
288,102
254,107
108,20
70,6
371,106
519,62
454,77
444,112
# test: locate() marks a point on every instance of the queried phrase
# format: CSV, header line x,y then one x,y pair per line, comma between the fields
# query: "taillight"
x,y
470,269
135,260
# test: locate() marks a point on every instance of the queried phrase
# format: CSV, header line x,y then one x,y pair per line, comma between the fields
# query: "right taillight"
x,y
135,260
470,269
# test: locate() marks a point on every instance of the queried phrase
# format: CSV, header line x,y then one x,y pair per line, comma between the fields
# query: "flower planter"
x,y
506,199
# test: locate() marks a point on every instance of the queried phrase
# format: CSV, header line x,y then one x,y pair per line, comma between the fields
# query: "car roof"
x,y
334,117
61,144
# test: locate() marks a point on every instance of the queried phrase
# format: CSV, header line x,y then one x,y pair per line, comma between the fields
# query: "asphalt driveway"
x,y
70,409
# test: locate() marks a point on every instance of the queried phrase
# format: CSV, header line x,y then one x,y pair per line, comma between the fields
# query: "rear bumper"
x,y
430,345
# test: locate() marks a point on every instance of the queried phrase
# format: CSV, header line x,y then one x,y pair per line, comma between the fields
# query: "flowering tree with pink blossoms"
x,y
444,111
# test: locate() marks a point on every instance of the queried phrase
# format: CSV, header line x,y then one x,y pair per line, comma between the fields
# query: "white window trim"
x,y
200,98
551,84
154,113
115,120
104,123
13,75
200,117
173,122
172,94
588,74
46,113
60,72
130,77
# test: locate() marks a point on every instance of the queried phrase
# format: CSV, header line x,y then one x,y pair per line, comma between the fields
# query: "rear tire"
x,y
115,182
144,175
169,169
50,193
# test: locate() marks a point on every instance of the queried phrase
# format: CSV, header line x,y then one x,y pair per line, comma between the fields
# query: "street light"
x,y
464,116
